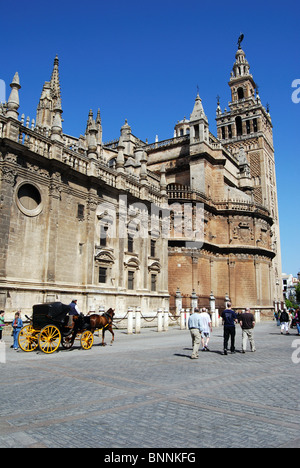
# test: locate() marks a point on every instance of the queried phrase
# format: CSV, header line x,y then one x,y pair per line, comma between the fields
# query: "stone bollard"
x,y
178,301
138,320
194,300
257,316
187,316
182,319
130,321
159,320
217,317
166,320
212,306
213,319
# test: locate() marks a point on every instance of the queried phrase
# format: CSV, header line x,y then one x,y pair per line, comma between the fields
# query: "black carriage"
x,y
51,325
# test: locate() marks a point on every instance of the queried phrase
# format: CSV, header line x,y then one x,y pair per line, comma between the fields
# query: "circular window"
x,y
29,199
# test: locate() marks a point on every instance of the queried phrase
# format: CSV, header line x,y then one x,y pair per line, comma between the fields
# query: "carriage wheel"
x,y
49,339
28,339
67,341
87,339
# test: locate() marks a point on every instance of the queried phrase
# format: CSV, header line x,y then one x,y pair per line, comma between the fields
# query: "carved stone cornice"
x,y
8,174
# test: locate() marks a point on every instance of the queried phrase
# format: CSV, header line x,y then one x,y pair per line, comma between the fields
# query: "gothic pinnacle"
x,y
13,103
54,82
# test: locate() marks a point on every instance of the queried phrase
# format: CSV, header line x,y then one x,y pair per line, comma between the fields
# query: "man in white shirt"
x,y
206,328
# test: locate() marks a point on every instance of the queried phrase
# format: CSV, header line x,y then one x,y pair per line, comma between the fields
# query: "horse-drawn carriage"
x,y
51,325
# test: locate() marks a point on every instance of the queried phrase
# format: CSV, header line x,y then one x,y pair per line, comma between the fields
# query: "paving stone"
x,y
145,391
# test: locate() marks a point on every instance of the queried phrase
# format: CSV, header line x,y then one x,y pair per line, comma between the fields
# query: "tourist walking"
x,y
2,324
229,318
206,328
247,323
284,322
297,318
17,324
195,330
278,318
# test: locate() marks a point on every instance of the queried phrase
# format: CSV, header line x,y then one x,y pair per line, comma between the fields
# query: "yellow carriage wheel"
x,y
49,339
87,339
28,339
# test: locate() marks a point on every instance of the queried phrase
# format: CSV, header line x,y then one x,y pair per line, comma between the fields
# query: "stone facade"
x,y
233,176
129,224
75,214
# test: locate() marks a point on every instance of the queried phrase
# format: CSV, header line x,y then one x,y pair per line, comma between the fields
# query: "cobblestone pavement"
x,y
144,391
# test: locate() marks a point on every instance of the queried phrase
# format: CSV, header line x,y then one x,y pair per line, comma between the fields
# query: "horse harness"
x,y
108,317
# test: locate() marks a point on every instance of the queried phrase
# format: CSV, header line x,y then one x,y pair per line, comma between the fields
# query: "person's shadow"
x,y
203,352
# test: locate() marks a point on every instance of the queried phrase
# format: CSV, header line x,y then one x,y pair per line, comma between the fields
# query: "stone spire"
x,y
90,121
13,103
99,127
54,82
219,110
96,124
198,111
50,100
199,131
92,135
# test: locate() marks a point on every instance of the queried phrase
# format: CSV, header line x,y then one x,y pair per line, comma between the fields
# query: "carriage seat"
x,y
69,321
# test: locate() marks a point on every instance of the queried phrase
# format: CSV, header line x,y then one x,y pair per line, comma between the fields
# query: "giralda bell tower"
x,y
247,125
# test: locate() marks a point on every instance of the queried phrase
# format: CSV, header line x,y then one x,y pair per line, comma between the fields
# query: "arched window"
x,y
248,128
240,93
255,125
239,127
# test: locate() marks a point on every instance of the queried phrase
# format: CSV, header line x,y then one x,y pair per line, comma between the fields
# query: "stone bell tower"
x,y
246,126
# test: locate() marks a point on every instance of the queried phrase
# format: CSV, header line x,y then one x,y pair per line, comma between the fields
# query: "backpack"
x,y
284,316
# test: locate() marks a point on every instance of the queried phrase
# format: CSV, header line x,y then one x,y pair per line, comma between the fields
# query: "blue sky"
x,y
143,61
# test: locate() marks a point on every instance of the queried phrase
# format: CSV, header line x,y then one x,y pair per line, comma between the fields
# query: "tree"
x,y
290,304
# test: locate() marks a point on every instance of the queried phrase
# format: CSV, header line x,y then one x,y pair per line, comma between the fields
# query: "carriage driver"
x,y
74,308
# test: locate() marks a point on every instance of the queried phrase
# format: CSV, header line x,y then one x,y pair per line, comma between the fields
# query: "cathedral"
x,y
132,224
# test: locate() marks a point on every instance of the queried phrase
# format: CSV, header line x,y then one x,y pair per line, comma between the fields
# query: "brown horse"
x,y
104,322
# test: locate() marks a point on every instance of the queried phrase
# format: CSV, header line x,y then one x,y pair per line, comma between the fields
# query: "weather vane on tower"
x,y
240,40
